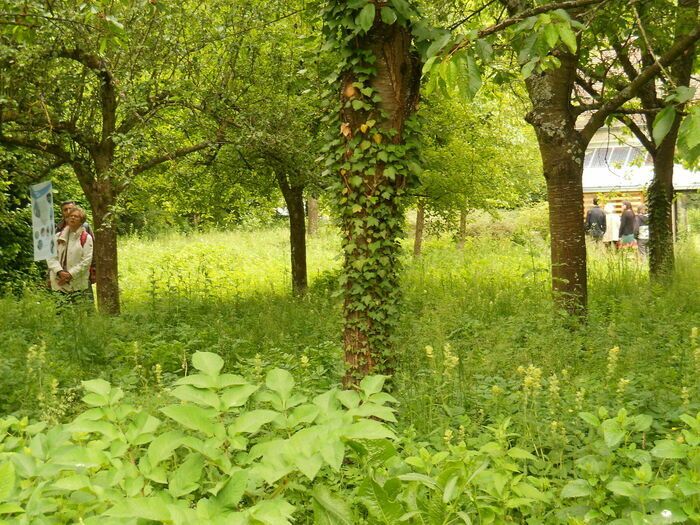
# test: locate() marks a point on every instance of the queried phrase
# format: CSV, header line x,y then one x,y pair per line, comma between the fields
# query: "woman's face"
x,y
74,220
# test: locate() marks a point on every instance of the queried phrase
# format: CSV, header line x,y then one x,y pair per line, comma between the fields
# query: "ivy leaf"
x,y
388,15
366,17
663,123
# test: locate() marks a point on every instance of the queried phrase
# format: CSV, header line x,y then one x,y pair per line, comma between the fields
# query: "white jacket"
x,y
612,224
76,257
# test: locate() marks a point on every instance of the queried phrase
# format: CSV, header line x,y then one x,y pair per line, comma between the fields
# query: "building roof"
x,y
614,164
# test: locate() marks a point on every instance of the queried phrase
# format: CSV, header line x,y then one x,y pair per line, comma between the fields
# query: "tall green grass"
x,y
488,306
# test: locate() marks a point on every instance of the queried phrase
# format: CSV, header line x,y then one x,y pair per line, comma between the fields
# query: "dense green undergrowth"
x,y
598,415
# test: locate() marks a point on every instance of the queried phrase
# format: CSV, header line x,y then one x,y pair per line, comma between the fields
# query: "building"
x,y
617,168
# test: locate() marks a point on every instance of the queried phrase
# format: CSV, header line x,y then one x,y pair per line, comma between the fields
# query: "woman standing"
x,y
612,226
69,270
627,223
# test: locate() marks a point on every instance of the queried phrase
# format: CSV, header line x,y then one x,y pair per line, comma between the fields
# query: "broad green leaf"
x,y
230,495
7,480
519,453
551,35
186,478
663,123
330,509
567,36
669,449
378,502
97,386
369,429
365,19
623,488
272,512
421,478
450,489
689,132
196,395
372,384
613,433
441,41
402,7
208,362
71,483
154,509
658,492
388,15
192,417
236,396
589,418
250,422
10,508
162,447
280,381
577,488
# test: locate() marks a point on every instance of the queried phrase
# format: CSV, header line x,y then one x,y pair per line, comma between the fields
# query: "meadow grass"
x,y
484,312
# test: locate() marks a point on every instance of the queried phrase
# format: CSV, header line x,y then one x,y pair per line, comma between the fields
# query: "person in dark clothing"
x,y
595,221
641,231
627,226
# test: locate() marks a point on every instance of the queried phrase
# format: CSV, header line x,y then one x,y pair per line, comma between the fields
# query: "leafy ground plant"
x,y
227,451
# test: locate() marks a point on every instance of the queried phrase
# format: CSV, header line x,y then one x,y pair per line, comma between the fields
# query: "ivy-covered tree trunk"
x,y
420,225
378,83
562,151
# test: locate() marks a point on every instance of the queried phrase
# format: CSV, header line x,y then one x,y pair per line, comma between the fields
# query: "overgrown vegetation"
x,y
506,410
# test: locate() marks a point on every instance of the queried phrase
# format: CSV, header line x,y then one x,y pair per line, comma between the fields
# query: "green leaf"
x,y
369,429
230,495
237,396
567,36
196,395
551,35
7,480
658,492
450,489
663,123
250,422
280,381
613,433
365,19
329,509
10,508
372,384
192,417
589,418
577,488
186,478
519,453
388,15
623,488
437,45
97,386
403,8
154,509
669,449
162,447
207,362
378,502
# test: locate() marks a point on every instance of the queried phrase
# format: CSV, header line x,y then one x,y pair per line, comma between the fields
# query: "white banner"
x,y
44,234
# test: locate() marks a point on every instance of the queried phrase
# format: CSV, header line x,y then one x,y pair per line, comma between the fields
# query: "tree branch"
x,y
675,51
637,131
172,155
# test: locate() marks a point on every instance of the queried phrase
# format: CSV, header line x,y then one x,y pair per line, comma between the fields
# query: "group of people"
x,y
70,270
628,230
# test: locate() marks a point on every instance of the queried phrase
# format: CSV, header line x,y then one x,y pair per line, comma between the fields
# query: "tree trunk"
x,y
462,234
660,198
420,224
105,250
562,150
660,194
294,199
312,212
372,210
297,240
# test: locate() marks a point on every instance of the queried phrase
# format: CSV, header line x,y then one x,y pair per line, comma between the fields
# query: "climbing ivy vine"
x,y
372,159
